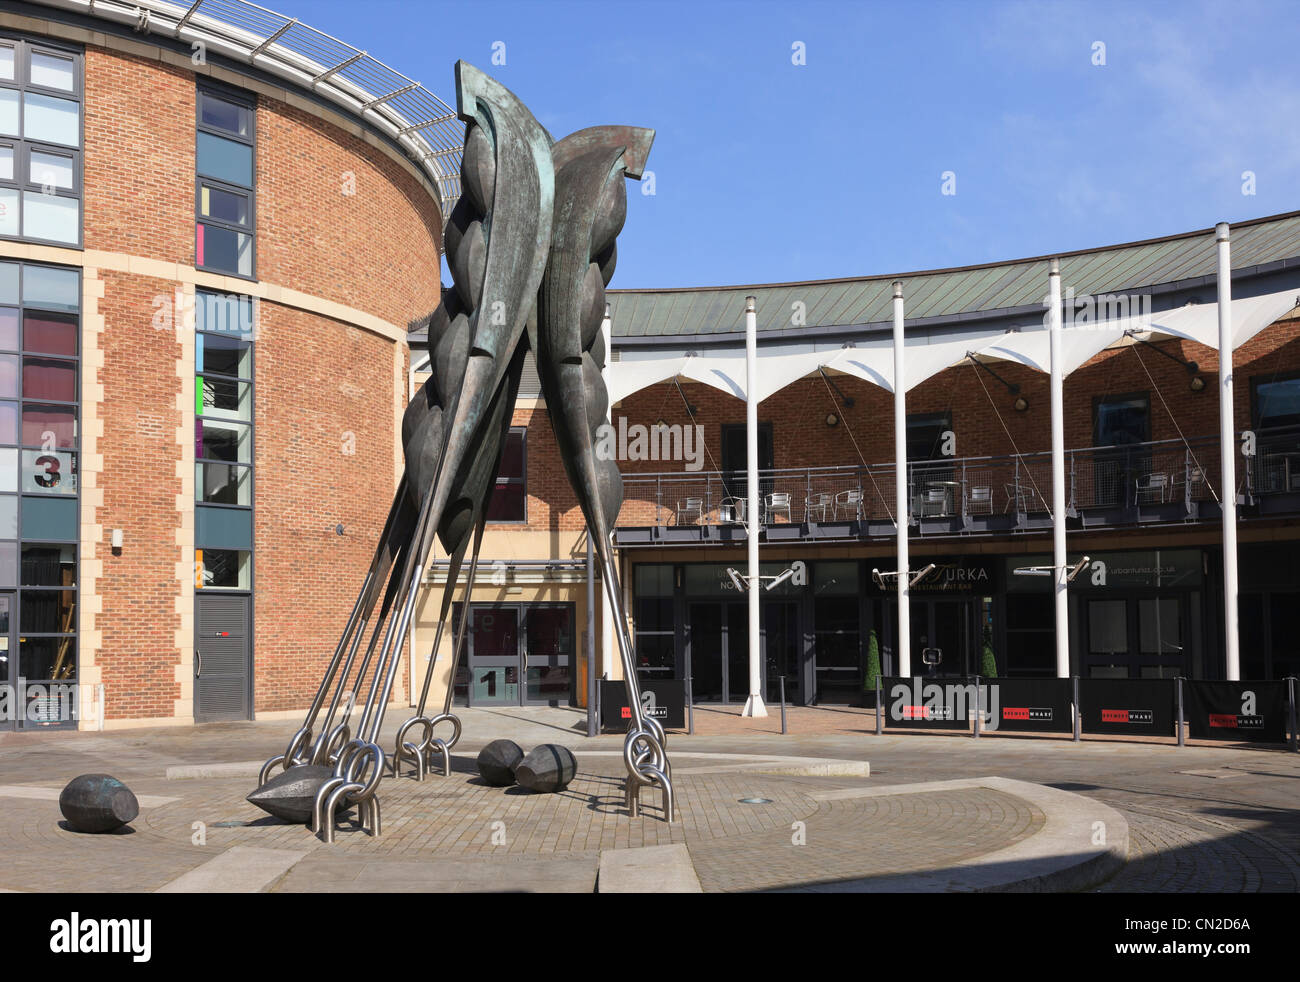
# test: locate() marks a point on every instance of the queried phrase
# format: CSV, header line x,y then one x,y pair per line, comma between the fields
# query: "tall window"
x,y
40,142
224,204
39,348
510,496
223,441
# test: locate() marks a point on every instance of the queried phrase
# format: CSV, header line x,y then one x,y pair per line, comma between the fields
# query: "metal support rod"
x,y
1178,683
1227,463
1062,603
902,635
753,524
690,707
1191,366
1291,694
1078,711
880,709
978,708
591,639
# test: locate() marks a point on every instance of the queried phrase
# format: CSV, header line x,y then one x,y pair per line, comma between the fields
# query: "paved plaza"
x,y
829,806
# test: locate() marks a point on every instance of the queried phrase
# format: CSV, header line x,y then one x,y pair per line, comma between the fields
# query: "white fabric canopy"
x,y
874,362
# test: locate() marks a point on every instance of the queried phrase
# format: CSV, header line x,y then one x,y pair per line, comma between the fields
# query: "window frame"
x,y
22,145
244,100
522,481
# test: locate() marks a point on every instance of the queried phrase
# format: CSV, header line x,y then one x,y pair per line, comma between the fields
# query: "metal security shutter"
x,y
530,386
223,658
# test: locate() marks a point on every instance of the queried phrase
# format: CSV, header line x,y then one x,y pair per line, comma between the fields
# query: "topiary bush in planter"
x,y
988,663
873,671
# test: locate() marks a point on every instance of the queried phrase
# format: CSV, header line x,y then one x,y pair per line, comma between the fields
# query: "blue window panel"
x,y
49,519
219,528
8,283
48,286
225,160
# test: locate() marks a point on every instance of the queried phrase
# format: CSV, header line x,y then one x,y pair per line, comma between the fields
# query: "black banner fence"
x,y
1248,710
1030,705
927,703
1134,707
663,700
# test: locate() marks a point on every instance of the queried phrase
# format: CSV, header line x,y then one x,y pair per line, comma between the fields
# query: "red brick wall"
x,y
139,588
375,249
306,574
139,157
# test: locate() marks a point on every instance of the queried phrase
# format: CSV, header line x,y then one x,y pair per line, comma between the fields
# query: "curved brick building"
x,y
203,356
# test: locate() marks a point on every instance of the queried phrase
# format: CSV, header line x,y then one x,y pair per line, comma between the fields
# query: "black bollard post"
x,y
1179,682
880,709
783,705
690,707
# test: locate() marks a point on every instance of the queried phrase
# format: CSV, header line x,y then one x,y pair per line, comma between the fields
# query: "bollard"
x,y
783,705
1078,711
880,719
690,707
1179,684
978,708
1290,691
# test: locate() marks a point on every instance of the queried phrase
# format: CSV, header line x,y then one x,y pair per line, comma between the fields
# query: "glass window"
x,y
49,333
51,170
8,422
835,579
1108,627
225,159
48,286
221,569
224,249
9,112
49,565
222,114
1160,626
47,658
7,62
51,120
49,472
654,581
53,71
6,163
8,210
223,313
8,516
49,426
227,206
510,498
225,399
8,563
49,378
8,469
1122,420
224,356
49,518
8,329
8,376
223,440
52,217
224,484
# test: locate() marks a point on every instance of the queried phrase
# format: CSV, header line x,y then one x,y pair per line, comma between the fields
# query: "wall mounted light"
x,y
1021,404
832,419
116,539
1197,383
339,528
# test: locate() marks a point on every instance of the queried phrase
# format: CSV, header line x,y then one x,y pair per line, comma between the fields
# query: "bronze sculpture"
x,y
531,247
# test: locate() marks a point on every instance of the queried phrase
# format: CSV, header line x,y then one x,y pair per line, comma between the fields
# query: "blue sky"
x,y
767,171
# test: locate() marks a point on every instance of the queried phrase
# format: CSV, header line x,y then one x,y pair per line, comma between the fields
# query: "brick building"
x,y
1141,418
203,358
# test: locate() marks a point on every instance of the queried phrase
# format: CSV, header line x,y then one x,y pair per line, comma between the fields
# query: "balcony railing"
x,y
1162,481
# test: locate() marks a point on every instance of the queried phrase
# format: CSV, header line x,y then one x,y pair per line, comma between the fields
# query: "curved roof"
x,y
951,295
398,106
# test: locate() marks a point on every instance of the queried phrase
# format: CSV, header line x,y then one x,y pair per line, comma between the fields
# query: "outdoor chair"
x,y
980,500
816,506
691,508
848,502
1151,487
774,504
732,511
934,502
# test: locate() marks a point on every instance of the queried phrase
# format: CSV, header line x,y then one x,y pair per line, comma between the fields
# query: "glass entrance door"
x,y
494,656
781,651
706,659
8,659
944,627
738,653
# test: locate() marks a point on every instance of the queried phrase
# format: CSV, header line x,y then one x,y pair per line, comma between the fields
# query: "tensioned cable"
x,y
856,448
1028,470
1177,428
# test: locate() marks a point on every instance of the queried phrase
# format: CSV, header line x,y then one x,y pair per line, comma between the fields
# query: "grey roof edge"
x,y
889,277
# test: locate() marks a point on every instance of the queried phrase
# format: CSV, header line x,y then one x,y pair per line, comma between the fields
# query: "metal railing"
x,y
1115,479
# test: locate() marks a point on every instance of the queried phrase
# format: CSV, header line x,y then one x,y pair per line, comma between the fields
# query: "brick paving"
x,y
1189,832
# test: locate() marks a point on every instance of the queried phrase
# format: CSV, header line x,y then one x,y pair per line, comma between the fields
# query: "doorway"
x,y
1140,637
718,651
945,628
223,658
517,655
